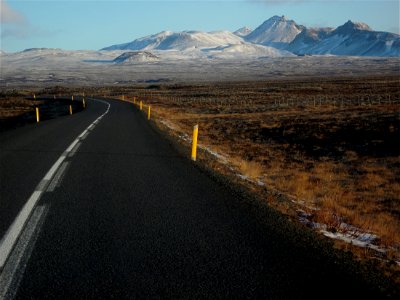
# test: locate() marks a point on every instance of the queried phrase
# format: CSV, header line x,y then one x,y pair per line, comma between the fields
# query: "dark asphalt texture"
x,y
28,152
133,218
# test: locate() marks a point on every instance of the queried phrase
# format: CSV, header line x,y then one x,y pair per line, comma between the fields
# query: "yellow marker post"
x,y
123,97
34,96
134,100
141,105
194,143
148,112
70,109
83,102
37,115
72,98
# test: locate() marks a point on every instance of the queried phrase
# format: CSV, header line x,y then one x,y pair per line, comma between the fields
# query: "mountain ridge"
x,y
349,39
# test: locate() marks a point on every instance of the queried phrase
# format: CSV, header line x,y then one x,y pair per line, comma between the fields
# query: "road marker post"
x,y
134,100
72,97
123,98
148,112
70,109
34,96
37,115
141,105
83,102
194,142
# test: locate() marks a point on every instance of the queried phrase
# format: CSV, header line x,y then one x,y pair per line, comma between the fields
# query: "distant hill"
x,y
168,40
135,56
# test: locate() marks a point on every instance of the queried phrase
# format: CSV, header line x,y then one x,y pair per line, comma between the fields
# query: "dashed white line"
x,y
72,145
13,271
54,168
75,149
57,178
9,240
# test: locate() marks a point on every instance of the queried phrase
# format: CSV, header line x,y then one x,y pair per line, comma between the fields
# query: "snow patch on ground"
x,y
346,232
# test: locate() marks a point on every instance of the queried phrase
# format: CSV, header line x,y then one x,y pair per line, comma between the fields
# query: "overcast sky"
x,y
94,24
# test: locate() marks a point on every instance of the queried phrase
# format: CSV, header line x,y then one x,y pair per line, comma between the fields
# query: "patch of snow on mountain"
x,y
355,39
168,40
242,32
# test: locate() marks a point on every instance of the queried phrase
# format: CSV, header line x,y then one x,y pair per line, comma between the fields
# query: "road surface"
x,y
124,215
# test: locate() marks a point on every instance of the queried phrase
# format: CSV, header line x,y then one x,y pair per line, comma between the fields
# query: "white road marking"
x,y
16,264
9,240
54,168
82,134
42,185
58,177
72,145
73,151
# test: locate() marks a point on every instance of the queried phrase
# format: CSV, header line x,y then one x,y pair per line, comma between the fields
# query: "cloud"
x,y
9,15
15,25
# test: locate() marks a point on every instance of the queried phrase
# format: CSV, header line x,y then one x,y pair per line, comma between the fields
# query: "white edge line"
x,y
11,236
8,283
56,179
54,168
72,145
13,232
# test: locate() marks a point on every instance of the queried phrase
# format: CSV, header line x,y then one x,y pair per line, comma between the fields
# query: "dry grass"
x,y
332,145
15,106
251,169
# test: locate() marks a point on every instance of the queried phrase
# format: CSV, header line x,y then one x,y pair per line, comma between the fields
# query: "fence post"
x,y
194,142
37,115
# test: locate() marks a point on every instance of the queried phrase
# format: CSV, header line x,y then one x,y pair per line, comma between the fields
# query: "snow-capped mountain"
x,y
242,32
168,40
277,32
354,39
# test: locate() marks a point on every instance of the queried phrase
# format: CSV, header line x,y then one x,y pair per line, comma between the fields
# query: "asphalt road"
x,y
130,217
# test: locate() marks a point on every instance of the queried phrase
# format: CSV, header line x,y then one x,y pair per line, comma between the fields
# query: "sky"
x,y
94,24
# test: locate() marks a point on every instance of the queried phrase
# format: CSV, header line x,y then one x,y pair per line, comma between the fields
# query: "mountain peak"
x,y
277,31
350,25
278,18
